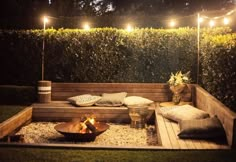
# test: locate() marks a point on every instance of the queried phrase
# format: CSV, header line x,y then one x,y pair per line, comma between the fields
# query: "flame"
x,y
83,125
91,120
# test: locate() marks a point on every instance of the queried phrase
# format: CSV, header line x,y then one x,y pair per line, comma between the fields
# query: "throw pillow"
x,y
112,99
136,100
201,128
84,100
185,112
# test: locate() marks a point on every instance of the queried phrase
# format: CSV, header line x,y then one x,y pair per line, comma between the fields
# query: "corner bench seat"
x,y
169,136
60,109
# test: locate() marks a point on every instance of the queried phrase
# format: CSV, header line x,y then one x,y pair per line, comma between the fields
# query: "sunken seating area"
x,y
59,109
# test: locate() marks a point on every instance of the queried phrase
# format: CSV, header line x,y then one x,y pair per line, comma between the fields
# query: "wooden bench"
x,y
61,110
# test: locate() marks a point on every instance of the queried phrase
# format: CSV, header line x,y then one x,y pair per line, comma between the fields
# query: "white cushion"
x,y
84,100
185,112
136,100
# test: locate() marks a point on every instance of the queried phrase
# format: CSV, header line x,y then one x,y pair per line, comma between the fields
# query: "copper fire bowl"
x,y
65,129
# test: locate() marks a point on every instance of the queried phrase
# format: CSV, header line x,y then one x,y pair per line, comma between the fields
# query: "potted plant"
x,y
177,83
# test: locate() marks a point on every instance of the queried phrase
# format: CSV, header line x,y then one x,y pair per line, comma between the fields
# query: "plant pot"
x,y
177,92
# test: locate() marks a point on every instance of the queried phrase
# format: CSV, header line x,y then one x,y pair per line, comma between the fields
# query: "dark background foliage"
x,y
115,55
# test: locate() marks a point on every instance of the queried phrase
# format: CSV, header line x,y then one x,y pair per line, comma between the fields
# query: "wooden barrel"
x,y
44,91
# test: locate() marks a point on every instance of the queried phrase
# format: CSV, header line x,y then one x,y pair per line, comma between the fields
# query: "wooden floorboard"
x,y
164,136
173,140
169,137
181,142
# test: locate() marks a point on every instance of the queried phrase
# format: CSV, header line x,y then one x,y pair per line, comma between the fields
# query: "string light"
x,y
86,26
45,19
226,21
200,20
172,23
211,23
129,28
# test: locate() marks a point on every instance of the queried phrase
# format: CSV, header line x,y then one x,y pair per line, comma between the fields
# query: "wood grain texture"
x,y
158,92
210,104
168,132
15,122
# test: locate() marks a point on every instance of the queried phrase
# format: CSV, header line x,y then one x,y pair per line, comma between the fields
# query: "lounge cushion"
x,y
136,100
84,100
185,112
112,99
201,128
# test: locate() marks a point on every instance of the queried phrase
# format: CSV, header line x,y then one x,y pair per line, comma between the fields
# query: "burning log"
x,y
90,126
82,127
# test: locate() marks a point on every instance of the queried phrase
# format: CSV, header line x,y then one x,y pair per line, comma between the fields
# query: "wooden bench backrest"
x,y
153,91
205,101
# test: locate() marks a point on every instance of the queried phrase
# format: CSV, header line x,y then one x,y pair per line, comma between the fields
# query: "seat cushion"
x,y
112,99
201,128
84,100
185,112
136,100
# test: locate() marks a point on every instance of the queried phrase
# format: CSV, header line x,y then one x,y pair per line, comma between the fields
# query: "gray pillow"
x,y
201,128
185,112
112,99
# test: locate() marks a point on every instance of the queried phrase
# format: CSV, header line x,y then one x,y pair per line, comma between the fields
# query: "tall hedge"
x,y
98,55
115,55
218,62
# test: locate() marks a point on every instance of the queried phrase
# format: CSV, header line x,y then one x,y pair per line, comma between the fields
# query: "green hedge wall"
x,y
115,55
99,55
218,65
111,55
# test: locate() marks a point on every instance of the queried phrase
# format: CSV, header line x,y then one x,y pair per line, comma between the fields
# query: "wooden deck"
x,y
168,131
61,110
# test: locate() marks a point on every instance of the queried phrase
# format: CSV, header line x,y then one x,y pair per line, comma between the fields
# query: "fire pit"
x,y
82,131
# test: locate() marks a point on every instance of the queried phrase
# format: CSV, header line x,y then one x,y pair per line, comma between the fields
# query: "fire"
x,y
92,120
85,127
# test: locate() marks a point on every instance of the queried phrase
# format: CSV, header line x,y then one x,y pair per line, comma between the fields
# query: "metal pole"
x,y
198,46
44,26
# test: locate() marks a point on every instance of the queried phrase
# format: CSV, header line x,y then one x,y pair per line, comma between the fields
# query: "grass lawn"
x,y
86,155
32,154
7,111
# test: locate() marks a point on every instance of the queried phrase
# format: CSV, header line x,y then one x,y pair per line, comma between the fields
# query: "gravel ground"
x,y
116,135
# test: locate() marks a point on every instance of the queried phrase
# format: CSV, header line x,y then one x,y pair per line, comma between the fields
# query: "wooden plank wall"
x,y
154,91
15,122
64,111
210,104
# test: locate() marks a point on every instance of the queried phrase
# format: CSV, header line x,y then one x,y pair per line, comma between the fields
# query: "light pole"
x,y
45,21
199,20
44,87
